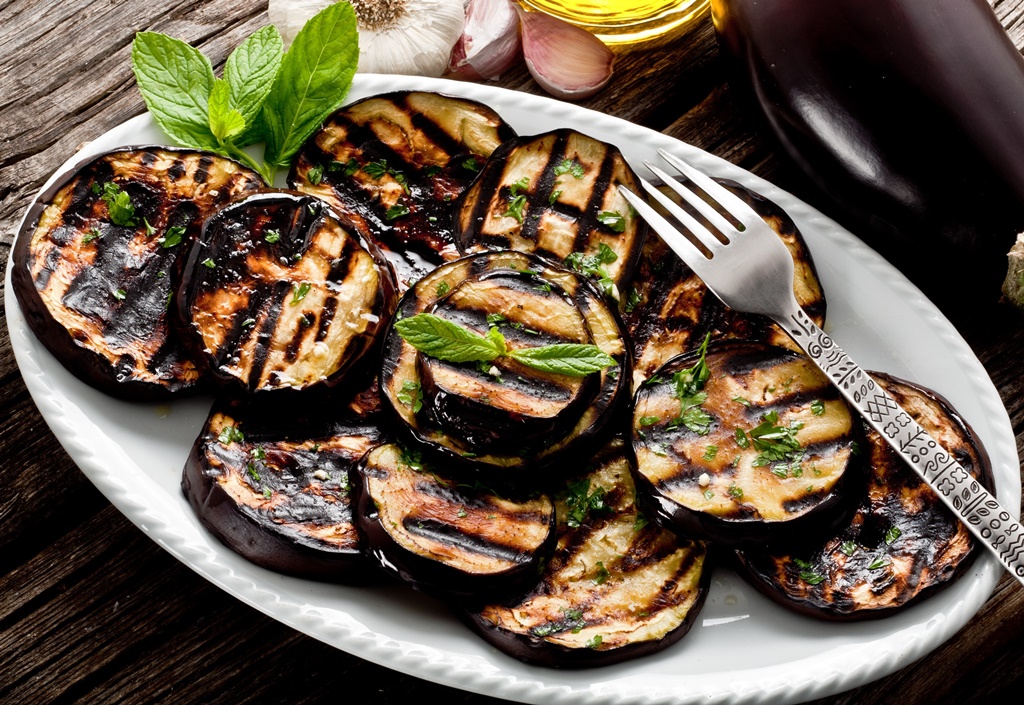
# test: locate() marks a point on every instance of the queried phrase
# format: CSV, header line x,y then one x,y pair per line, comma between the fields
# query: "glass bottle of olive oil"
x,y
623,21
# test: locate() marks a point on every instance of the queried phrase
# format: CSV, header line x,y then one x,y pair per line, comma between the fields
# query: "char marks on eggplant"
x,y
281,294
394,163
902,543
763,450
273,483
490,419
616,587
668,310
449,539
99,257
556,195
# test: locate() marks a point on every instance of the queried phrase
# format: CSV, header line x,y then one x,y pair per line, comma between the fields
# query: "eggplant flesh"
x,y
668,310
901,545
767,454
481,404
273,484
394,164
281,294
556,195
96,292
402,387
448,539
617,586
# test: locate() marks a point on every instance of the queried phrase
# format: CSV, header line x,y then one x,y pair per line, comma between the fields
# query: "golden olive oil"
x,y
623,21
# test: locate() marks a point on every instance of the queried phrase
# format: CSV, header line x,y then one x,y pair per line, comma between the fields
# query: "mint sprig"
x,y
265,95
441,339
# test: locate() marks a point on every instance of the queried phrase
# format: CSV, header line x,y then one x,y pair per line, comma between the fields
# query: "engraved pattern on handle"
x,y
972,503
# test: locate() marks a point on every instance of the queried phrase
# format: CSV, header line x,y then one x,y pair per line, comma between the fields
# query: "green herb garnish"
x,y
399,210
299,293
515,208
172,236
581,502
411,395
118,294
689,385
613,220
569,166
119,205
93,234
315,175
807,572
444,340
272,236
593,266
817,407
230,434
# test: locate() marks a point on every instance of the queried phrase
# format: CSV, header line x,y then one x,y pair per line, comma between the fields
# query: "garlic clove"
x,y
567,61
489,44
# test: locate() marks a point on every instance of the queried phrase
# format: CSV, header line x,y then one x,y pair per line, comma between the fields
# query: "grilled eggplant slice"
x,y
762,451
668,310
506,421
450,540
99,256
616,588
281,294
901,545
556,195
393,164
273,485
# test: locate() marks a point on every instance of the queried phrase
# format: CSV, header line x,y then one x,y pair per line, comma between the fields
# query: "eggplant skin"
x,y
400,383
555,195
902,544
278,294
722,484
668,310
273,485
394,163
97,294
617,587
447,539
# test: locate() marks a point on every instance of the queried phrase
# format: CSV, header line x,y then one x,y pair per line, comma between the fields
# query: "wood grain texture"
x,y
92,611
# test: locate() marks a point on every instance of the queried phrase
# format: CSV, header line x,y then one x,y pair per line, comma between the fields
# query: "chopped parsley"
x,y
601,575
272,236
848,548
817,407
150,230
315,175
118,294
613,220
471,164
777,444
443,288
522,185
710,452
432,170
411,395
119,205
515,208
581,502
649,420
554,196
412,459
230,434
569,166
377,169
807,572
892,534
93,234
300,292
735,491
593,266
742,401
633,300
879,562
399,210
689,386
172,236
208,263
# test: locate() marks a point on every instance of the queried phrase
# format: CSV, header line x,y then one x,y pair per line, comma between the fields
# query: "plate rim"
x,y
465,674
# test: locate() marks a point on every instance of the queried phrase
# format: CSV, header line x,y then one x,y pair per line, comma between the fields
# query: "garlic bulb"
x,y
412,37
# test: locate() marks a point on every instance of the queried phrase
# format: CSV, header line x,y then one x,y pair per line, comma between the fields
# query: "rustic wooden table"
x,y
93,611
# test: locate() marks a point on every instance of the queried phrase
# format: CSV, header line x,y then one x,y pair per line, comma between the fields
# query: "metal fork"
x,y
752,271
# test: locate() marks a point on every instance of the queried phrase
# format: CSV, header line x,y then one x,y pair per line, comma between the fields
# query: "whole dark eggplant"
x,y
909,114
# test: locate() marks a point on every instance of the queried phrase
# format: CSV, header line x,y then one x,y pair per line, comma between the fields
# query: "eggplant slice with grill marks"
x,y
501,419
450,540
763,451
281,294
668,310
617,586
901,545
273,484
556,195
100,254
394,163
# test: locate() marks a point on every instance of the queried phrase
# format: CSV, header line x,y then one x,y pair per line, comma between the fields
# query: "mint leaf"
x,y
313,81
250,72
226,123
570,359
175,80
444,340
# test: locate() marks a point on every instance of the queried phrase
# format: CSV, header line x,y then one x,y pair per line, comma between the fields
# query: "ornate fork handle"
x,y
976,507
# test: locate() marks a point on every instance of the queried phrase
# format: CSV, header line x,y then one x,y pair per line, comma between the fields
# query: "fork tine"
x,y
685,249
703,207
702,234
732,204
